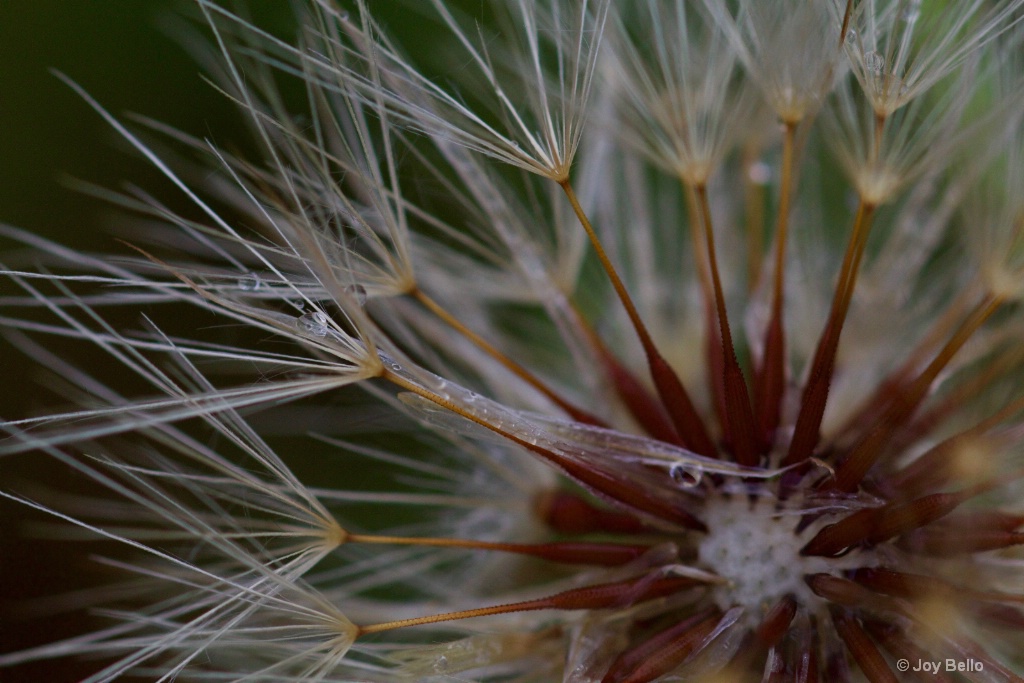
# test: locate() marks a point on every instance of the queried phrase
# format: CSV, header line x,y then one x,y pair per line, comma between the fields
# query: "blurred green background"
x,y
120,51
126,54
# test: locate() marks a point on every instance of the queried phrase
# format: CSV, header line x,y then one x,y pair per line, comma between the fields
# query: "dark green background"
x,y
121,52
128,55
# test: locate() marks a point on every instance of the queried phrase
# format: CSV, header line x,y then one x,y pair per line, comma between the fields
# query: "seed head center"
x,y
754,546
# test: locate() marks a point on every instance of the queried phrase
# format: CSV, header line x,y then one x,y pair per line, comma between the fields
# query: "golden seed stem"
x,y
737,397
512,366
671,391
704,210
438,618
609,269
782,232
815,395
697,240
846,23
564,552
598,596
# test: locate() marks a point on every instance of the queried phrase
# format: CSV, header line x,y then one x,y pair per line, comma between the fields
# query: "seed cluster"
x,y
471,288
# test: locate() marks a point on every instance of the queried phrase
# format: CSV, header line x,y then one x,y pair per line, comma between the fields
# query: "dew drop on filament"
x,y
684,475
315,323
249,282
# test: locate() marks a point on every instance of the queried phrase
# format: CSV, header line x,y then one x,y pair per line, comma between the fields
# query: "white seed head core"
x,y
753,545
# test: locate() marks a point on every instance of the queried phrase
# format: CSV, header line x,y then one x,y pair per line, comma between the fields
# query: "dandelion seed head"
x,y
571,364
789,52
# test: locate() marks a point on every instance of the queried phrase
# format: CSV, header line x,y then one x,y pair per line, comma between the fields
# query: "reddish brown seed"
x,y
860,645
807,641
989,521
644,407
813,400
681,410
771,384
663,652
716,371
896,519
876,525
892,639
999,616
846,593
901,584
737,399
832,539
946,542
615,486
601,554
815,394
617,594
835,589
570,514
775,624
741,415
768,633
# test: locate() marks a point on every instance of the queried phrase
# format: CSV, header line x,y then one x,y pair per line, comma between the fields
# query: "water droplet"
x,y
851,36
249,282
874,62
344,15
680,474
315,323
441,665
358,292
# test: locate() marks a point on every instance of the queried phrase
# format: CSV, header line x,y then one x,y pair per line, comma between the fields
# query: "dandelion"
x,y
515,380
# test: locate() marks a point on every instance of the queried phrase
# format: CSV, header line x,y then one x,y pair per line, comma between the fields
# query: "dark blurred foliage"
x,y
133,57
128,54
